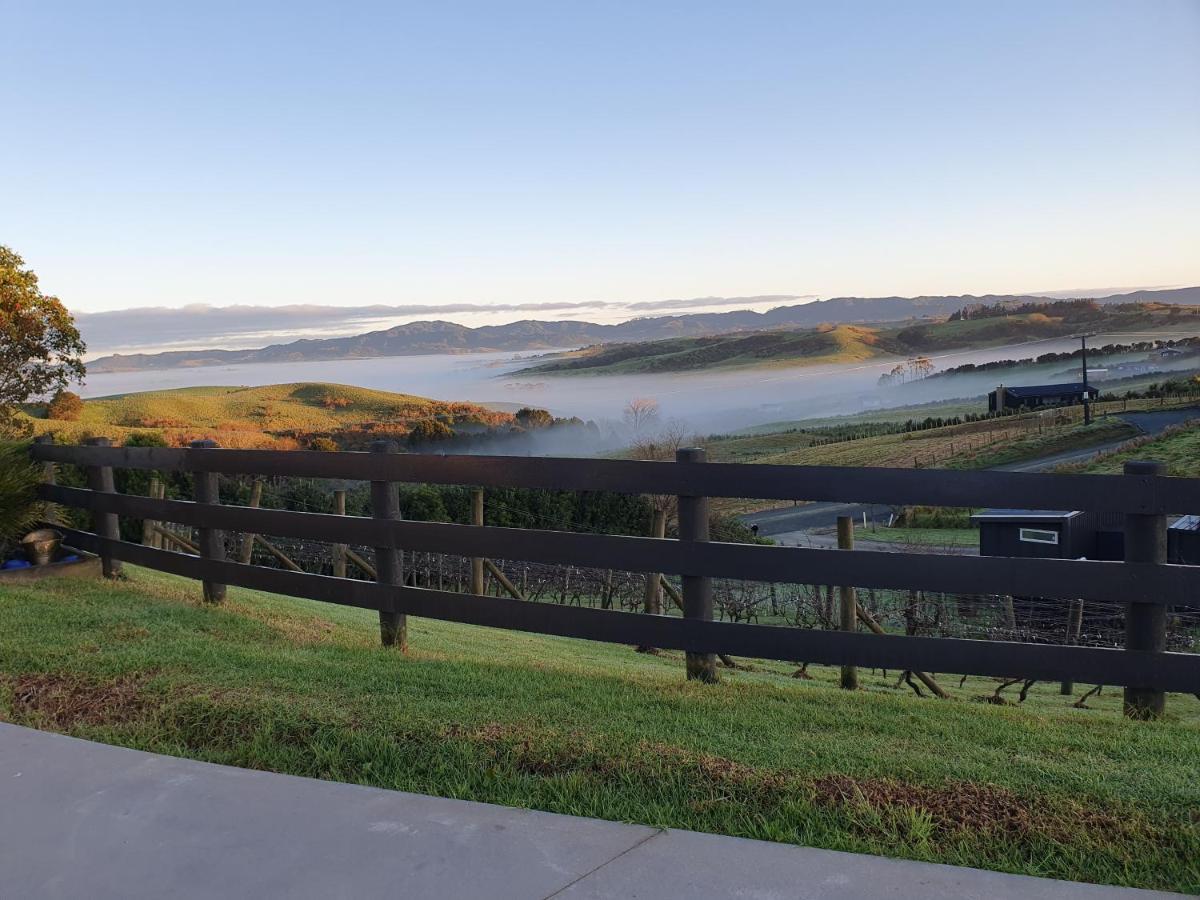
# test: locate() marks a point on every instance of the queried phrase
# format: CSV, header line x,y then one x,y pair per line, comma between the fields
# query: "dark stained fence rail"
x,y
1147,496
1064,578
1144,494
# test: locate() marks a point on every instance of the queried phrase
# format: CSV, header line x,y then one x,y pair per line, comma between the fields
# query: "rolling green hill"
x,y
831,344
841,343
271,416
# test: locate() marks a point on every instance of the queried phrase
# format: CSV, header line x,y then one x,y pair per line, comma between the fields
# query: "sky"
x,y
166,154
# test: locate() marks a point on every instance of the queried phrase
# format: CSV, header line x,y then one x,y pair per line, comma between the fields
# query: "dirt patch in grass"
x,y
66,701
954,807
966,806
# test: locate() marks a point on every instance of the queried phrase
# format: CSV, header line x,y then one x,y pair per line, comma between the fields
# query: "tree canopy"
x,y
66,405
529,417
40,348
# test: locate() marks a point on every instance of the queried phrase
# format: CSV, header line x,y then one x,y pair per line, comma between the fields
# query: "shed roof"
x,y
1050,390
1024,515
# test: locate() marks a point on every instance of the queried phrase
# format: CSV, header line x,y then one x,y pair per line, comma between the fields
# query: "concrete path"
x,y
79,819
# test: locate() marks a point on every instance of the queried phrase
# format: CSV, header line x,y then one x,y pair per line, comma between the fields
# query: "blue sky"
x,y
435,153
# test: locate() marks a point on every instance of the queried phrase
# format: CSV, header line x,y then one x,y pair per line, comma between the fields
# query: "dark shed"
x,y
1183,541
1063,534
1040,533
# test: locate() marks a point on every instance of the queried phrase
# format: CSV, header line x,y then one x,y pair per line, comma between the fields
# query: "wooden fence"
x,y
1144,580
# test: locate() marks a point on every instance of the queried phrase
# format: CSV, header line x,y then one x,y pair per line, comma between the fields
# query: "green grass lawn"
x,y
597,730
929,537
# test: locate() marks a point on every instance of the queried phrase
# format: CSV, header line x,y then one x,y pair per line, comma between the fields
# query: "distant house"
x,y
1034,396
1169,353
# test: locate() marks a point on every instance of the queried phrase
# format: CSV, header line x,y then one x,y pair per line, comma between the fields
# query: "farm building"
x,y
1063,534
1038,395
1052,534
1183,541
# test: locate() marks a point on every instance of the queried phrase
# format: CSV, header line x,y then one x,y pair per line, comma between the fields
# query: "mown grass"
x,y
575,727
926,537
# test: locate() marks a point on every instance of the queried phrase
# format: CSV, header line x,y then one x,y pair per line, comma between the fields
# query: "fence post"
x,y
100,478
246,553
339,550
849,601
1074,628
697,589
477,562
211,541
1145,623
385,504
652,597
148,533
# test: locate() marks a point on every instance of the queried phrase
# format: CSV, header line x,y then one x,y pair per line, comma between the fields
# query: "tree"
x,y
640,414
528,417
427,431
65,406
40,348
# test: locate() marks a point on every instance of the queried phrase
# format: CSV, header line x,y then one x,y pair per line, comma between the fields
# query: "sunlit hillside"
x,y
279,415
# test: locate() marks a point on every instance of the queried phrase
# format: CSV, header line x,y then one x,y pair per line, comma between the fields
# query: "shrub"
x,y
20,508
146,439
933,517
65,406
324,444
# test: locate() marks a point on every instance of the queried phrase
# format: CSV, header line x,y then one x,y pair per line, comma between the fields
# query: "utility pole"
x,y
1087,399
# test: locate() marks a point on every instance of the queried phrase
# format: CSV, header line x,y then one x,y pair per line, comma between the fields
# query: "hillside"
x,y
1178,447
426,337
277,415
268,682
841,343
853,343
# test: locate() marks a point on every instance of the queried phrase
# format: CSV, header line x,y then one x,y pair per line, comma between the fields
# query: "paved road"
x,y
788,523
87,820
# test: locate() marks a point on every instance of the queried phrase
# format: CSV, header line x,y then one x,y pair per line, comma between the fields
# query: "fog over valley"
x,y
705,401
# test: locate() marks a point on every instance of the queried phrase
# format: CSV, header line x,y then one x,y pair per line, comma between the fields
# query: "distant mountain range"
x,y
420,338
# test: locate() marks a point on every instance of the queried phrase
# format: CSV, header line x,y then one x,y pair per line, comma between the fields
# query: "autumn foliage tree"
x,y
40,348
65,406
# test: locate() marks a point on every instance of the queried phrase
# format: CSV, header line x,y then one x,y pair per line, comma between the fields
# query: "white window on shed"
x,y
1038,536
